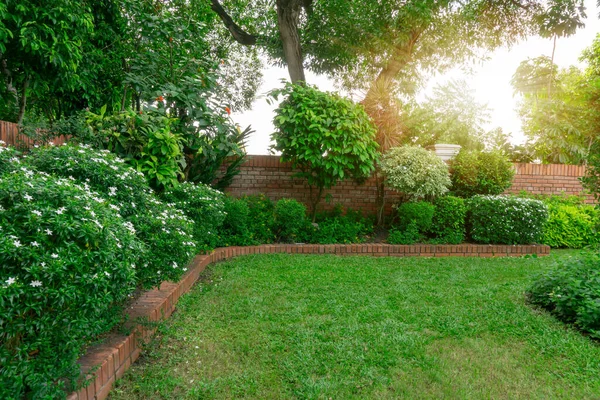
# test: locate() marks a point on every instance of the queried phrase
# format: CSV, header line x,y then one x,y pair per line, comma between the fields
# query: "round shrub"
x,y
203,205
290,219
165,230
235,230
475,173
506,220
260,218
67,263
448,223
570,226
571,292
419,213
415,172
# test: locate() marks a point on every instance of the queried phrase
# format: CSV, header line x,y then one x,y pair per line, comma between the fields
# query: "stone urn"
x,y
445,151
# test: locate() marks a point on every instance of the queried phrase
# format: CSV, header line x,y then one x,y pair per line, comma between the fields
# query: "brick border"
x,y
106,363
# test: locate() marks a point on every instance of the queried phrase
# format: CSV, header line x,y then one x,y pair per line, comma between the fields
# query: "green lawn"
x,y
306,326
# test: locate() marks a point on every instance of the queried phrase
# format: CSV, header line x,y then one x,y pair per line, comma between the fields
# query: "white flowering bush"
x,y
8,158
165,230
203,205
506,219
415,172
67,264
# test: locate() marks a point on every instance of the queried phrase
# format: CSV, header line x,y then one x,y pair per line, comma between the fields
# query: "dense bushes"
x,y
339,227
68,261
415,172
290,220
204,206
487,173
506,220
571,226
571,291
448,224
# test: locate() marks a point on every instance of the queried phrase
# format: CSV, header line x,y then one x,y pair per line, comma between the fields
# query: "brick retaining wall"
x,y
109,361
265,174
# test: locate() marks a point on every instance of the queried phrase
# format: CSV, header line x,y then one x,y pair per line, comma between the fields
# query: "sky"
x,y
490,81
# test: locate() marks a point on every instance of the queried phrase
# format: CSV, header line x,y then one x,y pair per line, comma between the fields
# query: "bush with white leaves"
x,y
67,264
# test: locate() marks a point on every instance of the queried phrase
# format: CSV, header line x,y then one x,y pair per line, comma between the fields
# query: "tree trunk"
x,y
380,198
314,202
23,102
288,15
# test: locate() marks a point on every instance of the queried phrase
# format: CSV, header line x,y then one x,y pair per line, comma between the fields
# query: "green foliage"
x,y
260,218
415,172
505,220
448,223
408,235
290,220
8,158
571,292
591,180
487,173
572,227
67,264
145,140
326,137
204,206
337,227
235,230
165,231
419,213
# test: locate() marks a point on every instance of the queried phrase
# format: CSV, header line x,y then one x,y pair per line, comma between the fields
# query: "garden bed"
x,y
116,355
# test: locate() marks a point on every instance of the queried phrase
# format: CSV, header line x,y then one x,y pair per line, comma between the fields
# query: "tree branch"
x,y
236,31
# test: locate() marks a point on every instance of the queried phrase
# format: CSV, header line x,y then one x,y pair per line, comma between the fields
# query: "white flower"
x,y
175,264
27,197
35,244
54,255
35,284
10,281
60,210
107,274
48,231
43,264
38,213
17,243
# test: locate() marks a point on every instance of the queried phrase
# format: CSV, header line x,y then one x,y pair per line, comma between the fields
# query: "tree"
x,y
326,137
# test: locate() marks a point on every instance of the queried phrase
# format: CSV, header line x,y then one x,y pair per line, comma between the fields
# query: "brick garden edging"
x,y
106,363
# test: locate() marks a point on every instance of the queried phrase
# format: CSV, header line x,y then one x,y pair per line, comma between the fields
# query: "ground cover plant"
x,y
296,326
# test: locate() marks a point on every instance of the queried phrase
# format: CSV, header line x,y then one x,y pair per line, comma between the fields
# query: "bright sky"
x,y
490,80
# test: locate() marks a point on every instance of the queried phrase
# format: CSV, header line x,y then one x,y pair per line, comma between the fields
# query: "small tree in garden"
x,y
474,173
325,136
415,172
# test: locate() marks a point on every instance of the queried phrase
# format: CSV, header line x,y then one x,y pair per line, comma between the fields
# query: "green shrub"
x,y
419,213
487,173
235,230
8,158
415,172
336,227
326,137
290,219
571,226
571,291
260,218
203,205
67,263
408,235
505,219
165,230
448,223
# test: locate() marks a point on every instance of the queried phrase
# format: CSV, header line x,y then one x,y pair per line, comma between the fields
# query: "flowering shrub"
x,y
165,230
571,292
415,172
8,158
204,205
506,220
67,263
480,173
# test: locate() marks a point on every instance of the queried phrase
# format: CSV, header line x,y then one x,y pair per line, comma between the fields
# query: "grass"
x,y
294,326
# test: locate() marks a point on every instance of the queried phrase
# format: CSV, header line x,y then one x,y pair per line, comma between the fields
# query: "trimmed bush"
x,y
415,172
448,223
506,220
290,219
165,230
571,291
203,205
419,213
570,226
486,173
67,263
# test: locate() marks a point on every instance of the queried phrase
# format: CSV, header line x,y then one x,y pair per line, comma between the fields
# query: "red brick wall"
x,y
265,174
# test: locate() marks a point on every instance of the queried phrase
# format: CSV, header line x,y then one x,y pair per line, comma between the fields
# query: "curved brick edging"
x,y
107,362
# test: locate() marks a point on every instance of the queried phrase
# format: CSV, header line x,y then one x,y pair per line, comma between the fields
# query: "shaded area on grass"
x,y
306,326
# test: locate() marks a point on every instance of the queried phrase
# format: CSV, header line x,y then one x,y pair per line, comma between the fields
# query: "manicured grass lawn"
x,y
294,326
